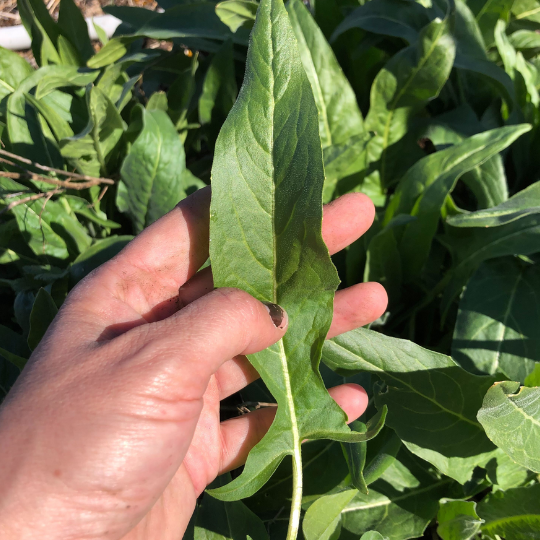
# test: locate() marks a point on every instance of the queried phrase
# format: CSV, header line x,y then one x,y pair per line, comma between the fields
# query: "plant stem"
x,y
296,502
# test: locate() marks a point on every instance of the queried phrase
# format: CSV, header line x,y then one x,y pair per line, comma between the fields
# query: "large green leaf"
x,y
523,203
421,384
397,515
152,170
512,514
265,237
13,70
197,19
388,17
408,81
34,223
323,518
458,520
72,24
498,320
339,115
218,520
424,188
237,13
471,246
511,417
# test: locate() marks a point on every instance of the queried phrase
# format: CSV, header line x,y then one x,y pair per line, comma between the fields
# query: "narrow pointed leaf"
x,y
265,237
339,115
423,190
523,203
409,80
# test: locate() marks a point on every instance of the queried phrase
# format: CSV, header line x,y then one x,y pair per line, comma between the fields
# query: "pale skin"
x,y
112,430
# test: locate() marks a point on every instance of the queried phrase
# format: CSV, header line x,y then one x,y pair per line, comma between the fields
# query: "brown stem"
x,y
73,175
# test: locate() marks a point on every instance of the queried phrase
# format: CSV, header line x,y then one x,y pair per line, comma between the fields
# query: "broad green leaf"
x,y
217,520
265,237
523,203
39,236
152,170
13,70
237,13
423,190
490,72
42,29
498,319
29,136
197,20
512,514
487,13
533,378
421,383
408,81
59,126
474,245
323,518
43,312
525,39
219,90
74,27
99,138
115,49
385,507
528,10
458,520
511,417
467,33
505,473
388,17
339,115
373,535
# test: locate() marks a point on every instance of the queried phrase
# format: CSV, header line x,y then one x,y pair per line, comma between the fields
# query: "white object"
x,y
16,38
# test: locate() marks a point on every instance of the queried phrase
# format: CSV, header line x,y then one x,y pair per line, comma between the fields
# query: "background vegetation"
x,y
430,108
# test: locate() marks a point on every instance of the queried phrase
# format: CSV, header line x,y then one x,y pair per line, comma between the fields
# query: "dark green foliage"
x,y
429,107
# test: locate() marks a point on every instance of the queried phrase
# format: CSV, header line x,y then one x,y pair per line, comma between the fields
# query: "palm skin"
x,y
118,409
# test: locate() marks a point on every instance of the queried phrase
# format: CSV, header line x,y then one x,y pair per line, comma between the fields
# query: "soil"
x,y
9,15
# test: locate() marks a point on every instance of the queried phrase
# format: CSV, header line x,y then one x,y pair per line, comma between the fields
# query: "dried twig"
x,y
71,180
34,197
66,184
73,175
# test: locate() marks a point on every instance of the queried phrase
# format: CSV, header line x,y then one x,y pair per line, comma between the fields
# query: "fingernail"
x,y
277,313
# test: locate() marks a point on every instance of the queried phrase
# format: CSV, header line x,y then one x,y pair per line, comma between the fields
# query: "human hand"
x,y
112,430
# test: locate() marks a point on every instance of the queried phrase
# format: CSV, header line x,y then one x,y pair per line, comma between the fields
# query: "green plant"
x,y
430,108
